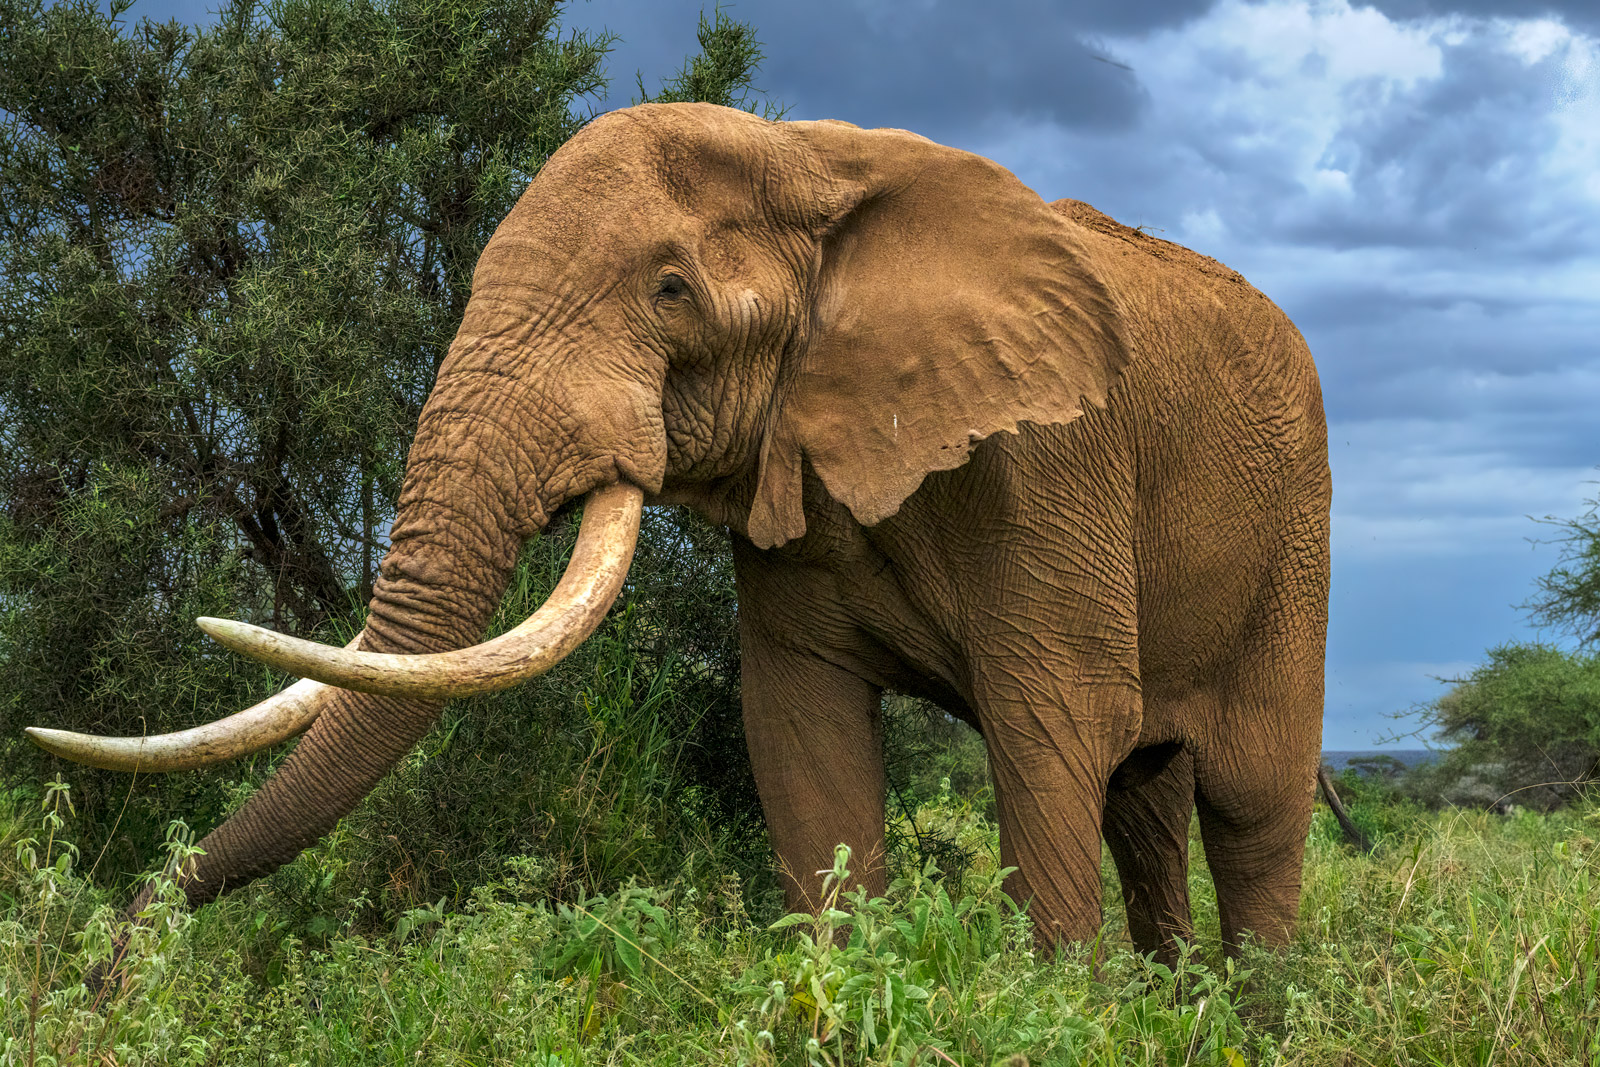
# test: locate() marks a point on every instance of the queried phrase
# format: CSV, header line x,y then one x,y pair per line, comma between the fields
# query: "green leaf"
x,y
628,949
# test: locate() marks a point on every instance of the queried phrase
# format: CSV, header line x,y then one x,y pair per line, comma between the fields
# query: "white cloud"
x,y
1285,41
1276,83
1202,229
1292,116
1531,40
1328,180
1574,92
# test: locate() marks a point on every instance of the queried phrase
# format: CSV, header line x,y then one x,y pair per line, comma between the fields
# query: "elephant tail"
x,y
1352,832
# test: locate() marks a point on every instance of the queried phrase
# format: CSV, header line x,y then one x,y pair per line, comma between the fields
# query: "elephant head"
x,y
689,302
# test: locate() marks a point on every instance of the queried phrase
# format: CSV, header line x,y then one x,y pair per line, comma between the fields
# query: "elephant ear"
x,y
950,303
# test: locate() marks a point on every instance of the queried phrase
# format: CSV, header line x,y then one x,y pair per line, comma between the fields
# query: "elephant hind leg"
x,y
1255,774
1253,821
1146,825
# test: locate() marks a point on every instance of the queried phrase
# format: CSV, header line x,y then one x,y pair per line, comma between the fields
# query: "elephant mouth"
x,y
593,578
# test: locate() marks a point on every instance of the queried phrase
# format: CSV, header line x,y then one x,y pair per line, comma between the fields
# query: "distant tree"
x,y
1523,728
231,260
1569,596
1376,765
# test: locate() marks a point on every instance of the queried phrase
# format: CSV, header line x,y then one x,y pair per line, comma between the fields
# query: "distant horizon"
x,y
1340,758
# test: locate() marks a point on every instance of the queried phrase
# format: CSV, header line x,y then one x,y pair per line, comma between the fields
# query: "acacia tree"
x,y
1524,727
1569,596
232,258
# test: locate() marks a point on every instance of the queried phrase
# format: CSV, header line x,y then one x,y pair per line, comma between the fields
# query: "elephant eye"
x,y
672,287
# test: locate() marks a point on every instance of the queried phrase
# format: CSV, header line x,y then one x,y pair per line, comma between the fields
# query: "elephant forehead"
x,y
573,206
707,160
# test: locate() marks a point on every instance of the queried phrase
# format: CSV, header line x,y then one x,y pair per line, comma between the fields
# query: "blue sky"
x,y
1416,183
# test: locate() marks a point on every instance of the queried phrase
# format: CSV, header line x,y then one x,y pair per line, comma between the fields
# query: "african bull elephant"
x,y
1067,480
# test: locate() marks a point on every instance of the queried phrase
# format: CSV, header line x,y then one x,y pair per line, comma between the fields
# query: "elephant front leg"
x,y
816,747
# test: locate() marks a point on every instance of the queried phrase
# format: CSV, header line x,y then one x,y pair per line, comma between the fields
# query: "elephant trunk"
x,y
452,550
513,429
476,487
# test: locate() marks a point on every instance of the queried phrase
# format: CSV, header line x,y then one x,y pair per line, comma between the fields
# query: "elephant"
x,y
1065,479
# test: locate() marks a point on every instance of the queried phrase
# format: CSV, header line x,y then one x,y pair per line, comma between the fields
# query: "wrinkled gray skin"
x,y
1066,480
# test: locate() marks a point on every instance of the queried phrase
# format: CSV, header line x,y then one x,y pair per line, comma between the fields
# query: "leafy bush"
x,y
1569,596
928,752
233,257
1524,729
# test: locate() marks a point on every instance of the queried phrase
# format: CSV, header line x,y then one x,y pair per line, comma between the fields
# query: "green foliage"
x,y
687,624
233,257
231,260
1378,766
1569,596
1524,729
1465,939
1379,804
640,975
44,1001
939,788
720,73
928,751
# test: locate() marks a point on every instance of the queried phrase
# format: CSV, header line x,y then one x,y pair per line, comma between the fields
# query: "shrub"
x,y
1524,729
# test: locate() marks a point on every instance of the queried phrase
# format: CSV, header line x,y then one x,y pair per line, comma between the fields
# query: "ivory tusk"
x,y
600,561
275,719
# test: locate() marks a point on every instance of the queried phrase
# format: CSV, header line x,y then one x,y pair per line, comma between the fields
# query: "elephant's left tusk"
x,y
277,718
587,590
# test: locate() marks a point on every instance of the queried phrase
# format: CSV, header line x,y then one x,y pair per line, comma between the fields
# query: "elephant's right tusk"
x,y
275,719
594,577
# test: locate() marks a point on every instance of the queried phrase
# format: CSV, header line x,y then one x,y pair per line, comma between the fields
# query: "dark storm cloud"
x,y
1442,385
1509,413
1578,14
945,69
1520,371
1333,307
1105,16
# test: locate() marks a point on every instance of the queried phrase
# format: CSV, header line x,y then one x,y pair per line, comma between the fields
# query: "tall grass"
x,y
1467,937
1463,939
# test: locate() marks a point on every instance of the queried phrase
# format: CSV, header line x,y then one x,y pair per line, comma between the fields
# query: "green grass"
x,y
1464,939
